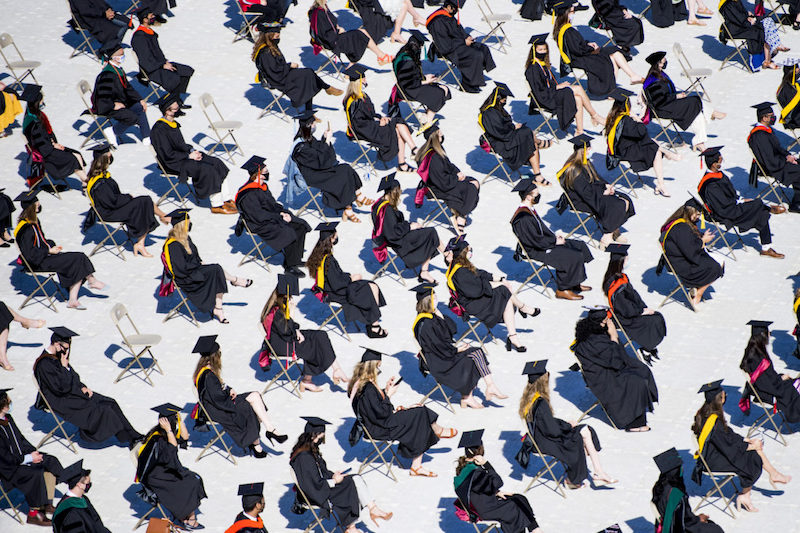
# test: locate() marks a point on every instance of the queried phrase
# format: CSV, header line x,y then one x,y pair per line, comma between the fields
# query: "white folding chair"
x,y
739,48
137,343
695,75
314,198
42,279
19,68
548,464
173,180
59,432
219,125
98,123
495,22
285,364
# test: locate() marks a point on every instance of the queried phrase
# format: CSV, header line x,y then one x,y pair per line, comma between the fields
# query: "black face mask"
x,y
39,209
88,486
540,55
772,120
664,66
276,41
334,240
441,139
537,198
190,227
110,159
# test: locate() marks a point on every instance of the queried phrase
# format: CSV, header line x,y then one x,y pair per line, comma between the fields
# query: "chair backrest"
x,y
5,40
677,49
206,100
40,394
118,312
85,88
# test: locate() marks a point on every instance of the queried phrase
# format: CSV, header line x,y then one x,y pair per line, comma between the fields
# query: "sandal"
x,y
247,282
376,332
600,482
422,473
449,434
384,59
544,144
542,181
363,200
350,216
405,167
223,320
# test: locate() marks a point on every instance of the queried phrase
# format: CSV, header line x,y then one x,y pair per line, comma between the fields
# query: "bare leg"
x,y
82,176
95,283
619,60
534,160
337,373
658,168
307,385
743,501
429,115
260,409
491,388
578,115
372,46
774,475
235,280
424,274
4,362
73,295
699,294
594,457
508,317
580,93
416,464
139,249
469,400
375,291
162,216
218,312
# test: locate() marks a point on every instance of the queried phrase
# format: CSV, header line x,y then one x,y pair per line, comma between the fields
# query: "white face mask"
x,y
119,59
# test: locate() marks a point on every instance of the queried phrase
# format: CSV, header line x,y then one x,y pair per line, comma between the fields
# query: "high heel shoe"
x,y
257,454
423,280
536,312
384,516
247,282
510,345
272,435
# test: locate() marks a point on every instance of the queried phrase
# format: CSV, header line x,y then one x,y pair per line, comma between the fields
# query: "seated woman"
x,y
158,469
316,159
685,109
299,84
459,191
568,442
592,194
137,213
344,494
626,28
624,385
515,143
73,268
685,250
414,84
287,339
568,101
24,468
326,33
599,64
726,451
477,486
360,299
761,34
415,245
628,141
644,326
415,428
241,415
60,162
97,417
480,295
7,316
459,367
377,16
204,284
787,90
388,135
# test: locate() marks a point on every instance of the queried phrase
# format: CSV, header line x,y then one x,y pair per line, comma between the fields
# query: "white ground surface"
x,y
700,347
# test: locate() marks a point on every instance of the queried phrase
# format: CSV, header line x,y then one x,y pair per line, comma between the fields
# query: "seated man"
x,y
75,512
105,25
249,521
115,98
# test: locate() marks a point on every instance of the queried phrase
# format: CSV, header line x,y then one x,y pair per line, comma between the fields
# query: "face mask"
x,y
119,59
441,138
469,254
772,121
42,105
276,41
110,159
335,240
537,198
38,209
364,85
190,226
88,486
540,55
664,66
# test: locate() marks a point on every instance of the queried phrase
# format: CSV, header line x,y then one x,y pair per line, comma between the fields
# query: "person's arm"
x,y
335,278
627,302
576,45
27,246
308,477
215,394
468,284
394,226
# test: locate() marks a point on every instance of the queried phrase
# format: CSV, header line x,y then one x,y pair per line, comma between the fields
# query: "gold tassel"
x,y
702,220
584,154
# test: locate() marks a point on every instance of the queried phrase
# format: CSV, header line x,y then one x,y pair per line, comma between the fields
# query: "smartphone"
x,y
398,382
345,472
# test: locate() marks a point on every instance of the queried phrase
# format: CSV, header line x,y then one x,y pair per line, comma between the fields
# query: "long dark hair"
x,y
561,19
305,132
755,352
412,49
686,212
655,70
305,443
617,108
323,247
613,271
714,407
469,453
265,38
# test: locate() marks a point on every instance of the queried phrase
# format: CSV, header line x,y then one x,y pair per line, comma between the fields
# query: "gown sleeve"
x,y
335,279
215,394
547,425
498,125
533,233
628,303
576,44
373,406
486,481
471,285
689,245
182,267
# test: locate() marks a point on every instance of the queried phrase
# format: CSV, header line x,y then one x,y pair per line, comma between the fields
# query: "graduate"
x,y
645,326
344,494
671,499
477,486
480,295
105,24
592,194
461,366
158,469
204,284
796,332
9,109
316,159
415,428
624,385
684,247
114,97
268,219
43,255
414,84
241,415
455,44
626,28
628,141
24,468
450,185
665,13
415,245
360,299
299,84
761,34
97,417
726,451
7,316
568,101
389,135
379,16
208,173
137,213
326,33
776,160
568,442
59,161
253,504
599,63
566,256
787,90
269,11
75,511
723,202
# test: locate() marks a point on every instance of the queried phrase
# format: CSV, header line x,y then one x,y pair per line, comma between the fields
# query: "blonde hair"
x,y
575,166
180,232
426,305
354,89
363,373
540,386
434,143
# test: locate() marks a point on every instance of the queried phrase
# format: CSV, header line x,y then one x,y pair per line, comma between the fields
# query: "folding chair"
x,y
134,455
719,480
285,364
480,525
47,183
625,174
315,510
722,229
520,254
255,252
796,141
674,142
335,312
415,108
451,69
12,510
534,108
217,437
382,453
597,403
132,8
98,123
501,165
64,438
439,210
110,228
565,202
767,417
41,278
437,387
85,44
183,303
495,22
219,126
137,343
283,112
739,46
368,162
628,341
154,89
695,75
547,468
680,286
173,180
773,185
247,30
391,256
334,61
20,68
314,198
777,11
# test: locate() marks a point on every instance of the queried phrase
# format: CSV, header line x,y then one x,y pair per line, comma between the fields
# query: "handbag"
x,y
160,525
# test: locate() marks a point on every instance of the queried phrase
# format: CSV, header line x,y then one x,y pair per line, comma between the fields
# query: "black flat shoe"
x,y
295,271
257,454
271,435
376,332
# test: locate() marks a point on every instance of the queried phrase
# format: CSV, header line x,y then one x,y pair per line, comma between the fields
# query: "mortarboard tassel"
x,y
584,154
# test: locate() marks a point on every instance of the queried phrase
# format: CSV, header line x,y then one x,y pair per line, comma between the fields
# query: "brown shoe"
x,y
333,91
769,252
585,288
39,519
568,295
49,509
230,204
777,209
223,210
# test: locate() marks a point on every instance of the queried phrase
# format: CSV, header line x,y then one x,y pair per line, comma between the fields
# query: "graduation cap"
x,y
471,439
457,244
534,369
326,229
762,109
31,93
270,27
27,198
110,53
621,94
597,314
668,460
167,100
711,390
371,355
100,149
581,141
655,57
429,128
178,216
72,474
314,424
251,494
254,164
288,285
388,182
458,4
418,35
206,345
4,393
694,204
617,251
424,290
142,13
61,334
502,90
306,117
356,72
711,155
759,326
524,186
538,39
564,5
166,409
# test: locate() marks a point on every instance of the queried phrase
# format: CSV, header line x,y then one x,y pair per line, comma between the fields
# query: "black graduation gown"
x,y
355,297
480,491
662,97
646,330
543,85
315,350
410,78
634,145
374,18
410,427
476,295
607,209
735,15
137,213
449,366
596,64
540,243
98,417
6,208
683,518
178,489
414,246
623,384
27,477
74,518
112,86
721,198
6,318
626,32
726,451
319,166
773,389
151,61
71,267
449,37
312,476
299,84
91,15
365,123
688,257
173,152
255,528
772,157
515,145
460,196
785,94
351,43
200,282
532,9
665,13
236,416
58,163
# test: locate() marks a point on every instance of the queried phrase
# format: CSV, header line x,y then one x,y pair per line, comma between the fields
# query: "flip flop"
x,y
416,473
